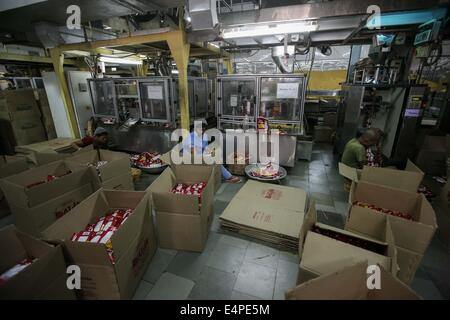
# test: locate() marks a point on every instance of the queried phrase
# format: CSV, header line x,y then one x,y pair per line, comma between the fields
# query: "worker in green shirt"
x,y
355,150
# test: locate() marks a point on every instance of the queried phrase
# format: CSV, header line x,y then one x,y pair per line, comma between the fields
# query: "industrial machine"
x,y
397,110
242,99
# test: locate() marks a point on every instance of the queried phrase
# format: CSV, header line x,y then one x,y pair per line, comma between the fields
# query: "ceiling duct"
x,y
202,15
281,55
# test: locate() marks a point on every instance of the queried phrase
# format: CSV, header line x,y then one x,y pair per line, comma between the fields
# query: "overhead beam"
x,y
33,59
322,10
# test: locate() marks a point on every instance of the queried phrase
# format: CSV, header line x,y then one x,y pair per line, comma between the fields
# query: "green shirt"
x,y
354,154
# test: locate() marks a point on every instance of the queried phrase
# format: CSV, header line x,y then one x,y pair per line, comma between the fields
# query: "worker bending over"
x,y
99,140
355,150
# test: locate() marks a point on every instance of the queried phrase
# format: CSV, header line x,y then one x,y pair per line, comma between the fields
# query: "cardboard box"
x,y
44,279
268,212
323,134
166,158
9,165
41,158
13,101
350,283
37,219
17,193
133,244
122,182
320,254
59,145
118,162
25,112
408,179
27,130
412,237
183,223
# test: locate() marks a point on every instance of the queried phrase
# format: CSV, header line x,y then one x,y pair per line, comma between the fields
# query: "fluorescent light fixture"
x,y
258,30
105,27
174,71
214,45
113,69
120,60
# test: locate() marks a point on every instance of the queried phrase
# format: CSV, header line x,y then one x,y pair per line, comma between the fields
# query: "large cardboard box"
x,y
19,194
118,163
183,222
350,283
408,179
133,244
166,158
36,219
122,182
321,254
9,165
47,156
60,145
268,212
16,101
412,237
44,279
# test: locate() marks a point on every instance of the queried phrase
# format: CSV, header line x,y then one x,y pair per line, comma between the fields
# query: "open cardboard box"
x,y
118,162
183,223
320,254
167,159
408,179
18,194
133,244
9,165
412,237
44,279
350,283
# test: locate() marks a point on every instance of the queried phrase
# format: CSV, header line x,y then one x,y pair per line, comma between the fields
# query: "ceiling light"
x,y
120,60
257,30
106,27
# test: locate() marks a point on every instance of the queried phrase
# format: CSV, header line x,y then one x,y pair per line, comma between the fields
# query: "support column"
x,y
179,48
58,64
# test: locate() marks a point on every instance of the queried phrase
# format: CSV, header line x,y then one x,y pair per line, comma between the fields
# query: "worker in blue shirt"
x,y
197,142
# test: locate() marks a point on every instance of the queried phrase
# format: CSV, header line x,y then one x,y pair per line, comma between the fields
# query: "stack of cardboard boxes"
x,y
19,110
39,196
47,118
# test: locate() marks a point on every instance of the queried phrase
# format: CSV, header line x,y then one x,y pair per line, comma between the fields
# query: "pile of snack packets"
x,y
146,160
48,179
430,195
358,242
8,274
103,229
195,189
265,171
403,215
374,159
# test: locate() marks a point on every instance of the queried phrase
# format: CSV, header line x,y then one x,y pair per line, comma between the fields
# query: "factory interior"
x,y
224,150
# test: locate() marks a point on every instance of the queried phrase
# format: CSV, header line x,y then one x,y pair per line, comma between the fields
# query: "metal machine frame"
x,y
238,121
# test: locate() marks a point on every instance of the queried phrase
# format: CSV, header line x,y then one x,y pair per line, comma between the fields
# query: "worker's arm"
x,y
361,159
86,141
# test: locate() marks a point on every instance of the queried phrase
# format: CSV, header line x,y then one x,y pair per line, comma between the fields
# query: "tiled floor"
x,y
234,267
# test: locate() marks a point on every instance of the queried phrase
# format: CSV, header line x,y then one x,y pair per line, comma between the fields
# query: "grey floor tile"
x,y
286,278
321,207
257,280
229,192
301,183
213,239
263,255
168,251
339,195
236,295
321,198
170,287
341,207
188,264
336,186
213,284
142,290
319,188
226,258
215,225
158,265
219,206
233,241
289,256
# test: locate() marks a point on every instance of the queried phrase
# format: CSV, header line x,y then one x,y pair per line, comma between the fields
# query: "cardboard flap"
x,y
391,250
411,235
166,159
12,250
427,215
363,221
309,221
87,253
411,167
404,180
10,165
187,173
176,203
164,182
346,284
387,197
349,172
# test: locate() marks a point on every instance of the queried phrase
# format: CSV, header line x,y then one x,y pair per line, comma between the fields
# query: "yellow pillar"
x,y
179,48
228,65
58,64
142,69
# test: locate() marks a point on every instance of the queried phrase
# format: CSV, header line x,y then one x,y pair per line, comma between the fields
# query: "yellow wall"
x,y
326,80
